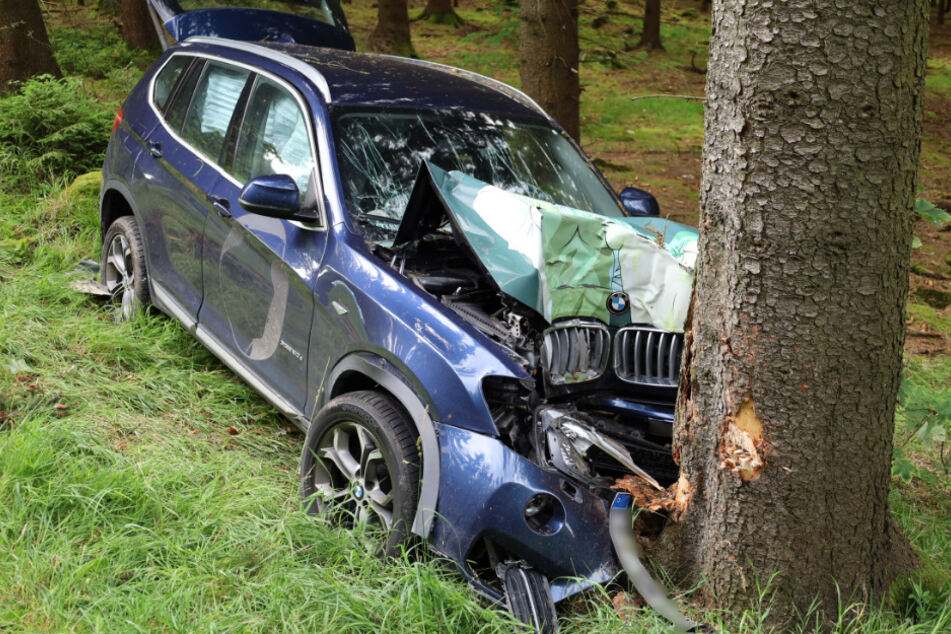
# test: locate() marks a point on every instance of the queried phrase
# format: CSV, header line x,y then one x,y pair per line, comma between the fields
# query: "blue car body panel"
x,y
306,312
257,25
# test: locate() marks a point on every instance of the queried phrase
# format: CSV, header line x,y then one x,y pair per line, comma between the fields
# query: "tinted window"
x,y
274,138
212,107
175,113
165,80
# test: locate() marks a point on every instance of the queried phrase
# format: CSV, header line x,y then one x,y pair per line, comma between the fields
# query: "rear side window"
x,y
274,137
167,78
175,114
212,107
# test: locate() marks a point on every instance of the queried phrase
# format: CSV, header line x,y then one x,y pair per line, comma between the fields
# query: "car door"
x,y
179,170
259,270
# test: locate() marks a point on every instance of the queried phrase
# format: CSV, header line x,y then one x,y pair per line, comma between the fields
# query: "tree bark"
x,y
24,45
548,58
650,37
785,415
441,12
137,28
391,34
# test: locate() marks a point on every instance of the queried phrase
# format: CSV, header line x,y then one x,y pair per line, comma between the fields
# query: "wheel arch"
x,y
362,372
115,203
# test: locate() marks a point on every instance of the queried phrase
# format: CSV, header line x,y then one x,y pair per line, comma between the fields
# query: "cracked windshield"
x,y
380,154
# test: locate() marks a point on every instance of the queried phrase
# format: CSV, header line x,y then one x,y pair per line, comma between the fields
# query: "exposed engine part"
x,y
575,351
474,314
568,439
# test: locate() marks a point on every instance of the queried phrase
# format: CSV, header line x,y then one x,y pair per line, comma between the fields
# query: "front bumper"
x,y
483,493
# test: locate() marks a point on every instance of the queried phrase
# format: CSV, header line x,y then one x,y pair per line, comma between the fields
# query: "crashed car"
x,y
418,267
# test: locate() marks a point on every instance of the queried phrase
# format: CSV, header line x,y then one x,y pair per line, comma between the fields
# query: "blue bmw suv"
x,y
418,267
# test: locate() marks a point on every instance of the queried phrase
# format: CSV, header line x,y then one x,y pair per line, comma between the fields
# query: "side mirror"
x,y
276,196
639,202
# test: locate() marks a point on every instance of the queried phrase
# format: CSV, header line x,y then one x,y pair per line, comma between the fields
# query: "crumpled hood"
x,y
560,261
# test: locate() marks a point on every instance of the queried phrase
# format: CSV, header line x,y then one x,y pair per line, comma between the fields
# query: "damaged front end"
x,y
486,215
558,289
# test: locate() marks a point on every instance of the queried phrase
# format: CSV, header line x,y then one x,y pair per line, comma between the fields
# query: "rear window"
x,y
167,78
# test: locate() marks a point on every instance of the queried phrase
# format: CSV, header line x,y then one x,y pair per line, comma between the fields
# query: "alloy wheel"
x,y
351,475
120,276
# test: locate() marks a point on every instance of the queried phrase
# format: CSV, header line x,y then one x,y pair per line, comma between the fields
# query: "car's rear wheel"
x,y
360,466
123,269
528,596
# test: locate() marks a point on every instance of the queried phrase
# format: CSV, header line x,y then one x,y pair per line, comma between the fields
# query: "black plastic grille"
x,y
647,356
574,352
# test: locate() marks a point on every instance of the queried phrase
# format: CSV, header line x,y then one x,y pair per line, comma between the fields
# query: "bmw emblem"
x,y
358,492
618,302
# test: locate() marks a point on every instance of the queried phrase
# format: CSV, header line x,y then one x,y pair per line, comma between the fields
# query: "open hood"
x,y
561,262
312,22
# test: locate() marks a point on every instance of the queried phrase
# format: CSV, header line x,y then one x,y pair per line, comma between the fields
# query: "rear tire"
x,y
123,268
528,596
360,465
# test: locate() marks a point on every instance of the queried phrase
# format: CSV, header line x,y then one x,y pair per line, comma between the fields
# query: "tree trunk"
x,y
138,31
548,58
24,46
441,12
785,415
650,38
391,34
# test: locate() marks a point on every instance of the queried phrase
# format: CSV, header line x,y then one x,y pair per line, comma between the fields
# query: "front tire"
x,y
360,466
123,269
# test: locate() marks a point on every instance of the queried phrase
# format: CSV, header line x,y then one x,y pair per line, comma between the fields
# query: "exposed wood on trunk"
x,y
548,56
24,45
391,34
786,411
138,31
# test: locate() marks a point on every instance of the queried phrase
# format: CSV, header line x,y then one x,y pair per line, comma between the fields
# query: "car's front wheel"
x,y
360,465
123,267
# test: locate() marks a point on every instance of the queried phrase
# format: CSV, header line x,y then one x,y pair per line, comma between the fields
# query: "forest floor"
x,y
143,487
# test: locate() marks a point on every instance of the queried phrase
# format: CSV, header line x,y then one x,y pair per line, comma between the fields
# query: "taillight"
x,y
117,120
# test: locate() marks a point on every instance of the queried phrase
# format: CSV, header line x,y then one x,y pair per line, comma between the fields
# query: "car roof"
x,y
388,82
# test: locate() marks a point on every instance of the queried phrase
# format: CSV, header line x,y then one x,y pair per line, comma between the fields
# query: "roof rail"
x,y
290,61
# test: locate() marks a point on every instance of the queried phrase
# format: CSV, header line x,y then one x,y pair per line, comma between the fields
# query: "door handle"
x,y
155,149
222,206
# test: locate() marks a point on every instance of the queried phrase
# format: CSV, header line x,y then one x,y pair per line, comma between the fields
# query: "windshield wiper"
x,y
368,218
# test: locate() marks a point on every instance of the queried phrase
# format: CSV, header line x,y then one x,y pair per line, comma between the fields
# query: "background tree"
x,y
137,28
391,34
786,412
441,12
650,36
548,58
24,45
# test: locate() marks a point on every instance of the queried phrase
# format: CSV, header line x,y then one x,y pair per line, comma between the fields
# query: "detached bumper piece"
x,y
629,556
528,597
